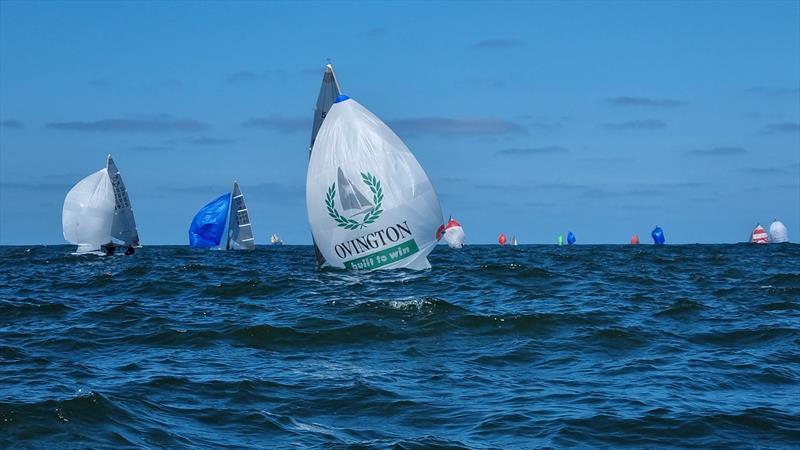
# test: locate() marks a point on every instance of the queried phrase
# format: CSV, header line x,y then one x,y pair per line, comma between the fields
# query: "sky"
x,y
534,119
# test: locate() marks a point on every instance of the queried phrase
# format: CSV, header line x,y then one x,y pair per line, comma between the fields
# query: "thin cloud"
x,y
502,187
375,33
548,150
780,128
38,187
209,141
152,148
717,151
487,44
761,170
279,123
644,124
12,124
159,124
443,126
562,186
645,102
773,91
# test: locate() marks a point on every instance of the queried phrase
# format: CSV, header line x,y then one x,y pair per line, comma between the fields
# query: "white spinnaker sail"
x,y
398,225
124,226
454,234
327,96
88,213
778,232
240,232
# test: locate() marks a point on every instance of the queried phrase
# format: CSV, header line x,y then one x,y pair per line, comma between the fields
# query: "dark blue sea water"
x,y
535,346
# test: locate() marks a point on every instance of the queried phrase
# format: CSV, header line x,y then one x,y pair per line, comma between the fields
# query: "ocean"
x,y
515,347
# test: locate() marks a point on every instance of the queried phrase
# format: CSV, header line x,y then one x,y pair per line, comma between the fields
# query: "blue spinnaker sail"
x,y
570,238
208,224
658,235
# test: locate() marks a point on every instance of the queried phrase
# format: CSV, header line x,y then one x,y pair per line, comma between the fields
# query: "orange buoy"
x,y
501,239
634,240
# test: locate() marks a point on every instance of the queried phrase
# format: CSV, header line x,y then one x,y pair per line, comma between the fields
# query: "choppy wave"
x,y
540,346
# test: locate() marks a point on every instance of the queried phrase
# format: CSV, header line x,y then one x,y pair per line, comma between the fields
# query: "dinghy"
x,y
778,232
454,234
501,239
226,212
370,204
635,240
275,239
97,212
570,238
759,235
514,240
329,91
658,235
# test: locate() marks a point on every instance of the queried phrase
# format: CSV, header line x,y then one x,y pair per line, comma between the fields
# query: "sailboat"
x,y
329,91
226,212
370,204
635,239
759,235
560,240
778,232
454,234
658,235
570,238
501,239
514,241
275,239
97,212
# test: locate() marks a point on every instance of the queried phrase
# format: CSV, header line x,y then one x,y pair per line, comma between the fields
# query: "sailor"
x,y
109,249
129,251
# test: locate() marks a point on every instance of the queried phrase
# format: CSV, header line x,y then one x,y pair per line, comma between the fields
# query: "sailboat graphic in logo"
x,y
353,202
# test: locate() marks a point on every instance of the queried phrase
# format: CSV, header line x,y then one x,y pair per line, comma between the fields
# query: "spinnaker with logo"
x,y
226,212
370,203
778,232
97,212
454,234
759,235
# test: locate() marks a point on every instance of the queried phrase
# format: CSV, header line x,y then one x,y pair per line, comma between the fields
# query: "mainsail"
x,y
400,228
329,91
88,213
240,232
208,224
778,232
124,226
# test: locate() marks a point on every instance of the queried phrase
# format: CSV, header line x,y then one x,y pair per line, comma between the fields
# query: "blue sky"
x,y
530,118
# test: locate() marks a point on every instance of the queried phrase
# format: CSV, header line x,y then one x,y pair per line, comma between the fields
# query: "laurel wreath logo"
x,y
371,216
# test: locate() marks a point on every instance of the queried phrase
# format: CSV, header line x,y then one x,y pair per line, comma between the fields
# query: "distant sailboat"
x,y
778,232
226,211
759,235
501,239
97,211
514,240
454,234
658,235
275,239
635,240
560,240
370,204
570,238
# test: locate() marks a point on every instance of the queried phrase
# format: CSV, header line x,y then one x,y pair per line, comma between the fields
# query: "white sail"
x,y
398,224
124,226
327,96
88,213
513,240
454,234
275,239
240,232
778,232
